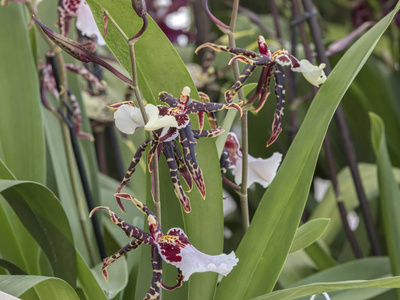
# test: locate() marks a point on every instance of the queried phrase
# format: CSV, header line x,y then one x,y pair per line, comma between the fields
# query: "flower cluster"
x,y
174,247
272,63
171,124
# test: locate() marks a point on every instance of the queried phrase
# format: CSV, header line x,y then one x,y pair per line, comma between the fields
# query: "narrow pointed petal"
x,y
76,111
247,71
86,74
225,162
154,292
189,154
176,249
153,148
109,260
196,106
117,105
179,281
280,103
182,168
200,116
131,169
208,133
130,230
173,170
261,60
234,51
211,115
168,98
264,92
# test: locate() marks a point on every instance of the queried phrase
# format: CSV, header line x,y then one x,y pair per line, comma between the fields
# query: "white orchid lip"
x,y
156,121
86,24
313,74
128,118
175,248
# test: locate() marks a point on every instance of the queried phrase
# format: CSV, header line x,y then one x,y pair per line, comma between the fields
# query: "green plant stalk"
x,y
244,205
136,90
79,201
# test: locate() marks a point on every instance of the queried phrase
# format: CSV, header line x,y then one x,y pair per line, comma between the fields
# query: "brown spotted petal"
x,y
176,250
86,74
168,98
182,168
207,107
234,51
230,93
78,51
261,60
173,170
283,58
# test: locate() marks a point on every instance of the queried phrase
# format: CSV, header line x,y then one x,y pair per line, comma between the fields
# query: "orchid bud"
x,y
140,7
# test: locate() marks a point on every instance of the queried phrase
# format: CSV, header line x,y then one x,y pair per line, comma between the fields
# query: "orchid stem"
x,y
135,86
243,189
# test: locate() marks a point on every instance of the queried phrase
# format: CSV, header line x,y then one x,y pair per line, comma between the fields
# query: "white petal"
x,y
86,24
320,188
260,170
313,74
127,119
155,121
194,261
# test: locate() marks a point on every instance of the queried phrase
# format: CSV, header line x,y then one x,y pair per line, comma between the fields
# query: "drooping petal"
x,y
173,170
86,24
232,145
131,169
280,104
76,111
230,93
156,121
109,260
128,118
86,74
156,263
182,168
261,60
313,74
207,107
225,162
208,133
168,98
176,249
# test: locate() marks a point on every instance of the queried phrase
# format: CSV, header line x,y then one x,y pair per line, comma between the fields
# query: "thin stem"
x,y
135,86
345,135
245,150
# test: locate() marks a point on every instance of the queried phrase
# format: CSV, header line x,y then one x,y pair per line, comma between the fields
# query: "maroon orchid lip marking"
x,y
78,51
174,248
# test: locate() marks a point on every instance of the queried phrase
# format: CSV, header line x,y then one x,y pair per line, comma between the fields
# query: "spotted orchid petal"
x,y
313,74
260,170
175,249
128,119
156,120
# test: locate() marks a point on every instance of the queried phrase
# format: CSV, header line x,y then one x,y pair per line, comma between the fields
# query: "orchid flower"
x,y
169,124
173,247
260,170
67,9
272,63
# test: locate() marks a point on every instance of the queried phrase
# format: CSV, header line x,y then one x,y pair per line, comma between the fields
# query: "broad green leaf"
x,y
161,69
318,288
42,214
87,281
20,116
266,244
308,234
389,193
46,287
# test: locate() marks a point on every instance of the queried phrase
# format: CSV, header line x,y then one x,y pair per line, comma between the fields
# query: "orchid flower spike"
x,y
173,247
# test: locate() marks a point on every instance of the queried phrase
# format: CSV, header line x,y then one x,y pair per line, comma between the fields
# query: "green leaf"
x,y
46,287
389,193
87,281
318,288
308,234
20,116
10,267
161,69
266,244
42,214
